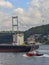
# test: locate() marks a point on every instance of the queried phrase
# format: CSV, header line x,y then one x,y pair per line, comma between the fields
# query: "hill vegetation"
x,y
44,30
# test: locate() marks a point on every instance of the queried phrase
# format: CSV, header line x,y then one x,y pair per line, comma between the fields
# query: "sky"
x,y
30,13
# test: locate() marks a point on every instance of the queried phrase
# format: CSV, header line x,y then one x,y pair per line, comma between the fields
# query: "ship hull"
x,y
14,48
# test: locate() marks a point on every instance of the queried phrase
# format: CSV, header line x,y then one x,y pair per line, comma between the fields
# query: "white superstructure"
x,y
18,39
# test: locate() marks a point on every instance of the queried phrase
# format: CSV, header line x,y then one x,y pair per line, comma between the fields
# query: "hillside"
x,y
44,29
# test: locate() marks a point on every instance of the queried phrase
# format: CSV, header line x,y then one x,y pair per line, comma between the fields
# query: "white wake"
x,y
45,55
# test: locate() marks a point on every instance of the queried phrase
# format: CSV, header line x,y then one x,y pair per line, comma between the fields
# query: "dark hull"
x,y
14,48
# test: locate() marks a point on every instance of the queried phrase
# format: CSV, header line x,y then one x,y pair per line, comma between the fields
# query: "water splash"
x,y
45,55
25,55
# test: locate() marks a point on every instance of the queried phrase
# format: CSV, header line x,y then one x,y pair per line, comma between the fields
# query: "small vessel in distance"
x,y
30,54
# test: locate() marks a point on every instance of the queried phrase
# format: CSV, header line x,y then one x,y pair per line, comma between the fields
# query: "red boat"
x,y
30,54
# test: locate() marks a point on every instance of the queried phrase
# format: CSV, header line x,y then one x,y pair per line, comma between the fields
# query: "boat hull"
x,y
29,54
14,48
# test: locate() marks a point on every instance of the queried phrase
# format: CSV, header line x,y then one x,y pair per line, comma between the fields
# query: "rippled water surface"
x,y
19,59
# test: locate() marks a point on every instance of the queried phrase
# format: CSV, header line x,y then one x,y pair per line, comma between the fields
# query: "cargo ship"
x,y
18,41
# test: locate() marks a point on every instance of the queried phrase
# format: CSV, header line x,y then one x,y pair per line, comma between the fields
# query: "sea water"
x,y
19,59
